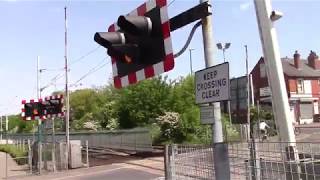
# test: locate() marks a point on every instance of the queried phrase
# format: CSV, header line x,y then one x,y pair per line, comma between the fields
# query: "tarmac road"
x,y
134,170
114,174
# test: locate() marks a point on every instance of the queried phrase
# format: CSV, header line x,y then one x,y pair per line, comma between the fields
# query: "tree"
x,y
17,125
169,125
140,104
83,101
183,102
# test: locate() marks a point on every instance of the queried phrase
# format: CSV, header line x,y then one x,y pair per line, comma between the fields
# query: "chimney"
x,y
313,60
297,60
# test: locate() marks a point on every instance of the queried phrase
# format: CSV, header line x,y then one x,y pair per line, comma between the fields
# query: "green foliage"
x,y
230,132
167,107
82,102
169,124
17,125
105,116
140,104
182,101
15,152
265,114
156,133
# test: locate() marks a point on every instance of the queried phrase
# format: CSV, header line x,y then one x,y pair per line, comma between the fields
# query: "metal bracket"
x,y
196,13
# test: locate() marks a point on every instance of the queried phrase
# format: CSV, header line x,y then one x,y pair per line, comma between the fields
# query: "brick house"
x,y
302,78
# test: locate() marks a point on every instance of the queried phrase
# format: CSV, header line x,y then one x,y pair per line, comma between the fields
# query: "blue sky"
x,y
36,28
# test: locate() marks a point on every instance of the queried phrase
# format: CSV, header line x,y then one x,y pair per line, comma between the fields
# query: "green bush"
x,y
155,131
16,153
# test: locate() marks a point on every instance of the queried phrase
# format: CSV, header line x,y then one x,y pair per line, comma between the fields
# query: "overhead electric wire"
x,y
85,55
90,73
61,75
93,70
171,2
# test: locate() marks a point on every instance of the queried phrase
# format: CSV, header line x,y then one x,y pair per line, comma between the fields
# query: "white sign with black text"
x,y
212,84
265,91
206,114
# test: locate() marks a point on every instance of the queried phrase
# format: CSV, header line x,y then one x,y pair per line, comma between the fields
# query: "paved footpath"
x,y
13,169
146,169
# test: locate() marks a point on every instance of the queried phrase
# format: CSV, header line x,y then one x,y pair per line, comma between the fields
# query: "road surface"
x,y
147,169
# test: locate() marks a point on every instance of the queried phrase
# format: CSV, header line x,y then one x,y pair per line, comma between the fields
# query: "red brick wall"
x,y
292,85
257,81
315,88
317,64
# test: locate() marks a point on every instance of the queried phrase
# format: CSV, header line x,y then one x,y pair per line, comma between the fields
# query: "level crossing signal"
x,y
33,109
42,108
139,43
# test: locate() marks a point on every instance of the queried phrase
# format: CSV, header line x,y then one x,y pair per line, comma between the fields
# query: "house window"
x,y
300,87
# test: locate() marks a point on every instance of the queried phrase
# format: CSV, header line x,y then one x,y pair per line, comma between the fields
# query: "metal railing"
x,y
138,140
247,161
52,158
17,163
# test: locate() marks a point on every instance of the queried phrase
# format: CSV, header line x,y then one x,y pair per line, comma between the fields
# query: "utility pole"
x,y
258,109
190,58
266,17
221,161
54,146
1,129
209,61
38,78
7,142
7,123
67,90
252,91
248,127
39,120
224,54
250,130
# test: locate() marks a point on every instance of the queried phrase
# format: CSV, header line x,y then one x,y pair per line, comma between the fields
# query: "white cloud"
x,y
245,6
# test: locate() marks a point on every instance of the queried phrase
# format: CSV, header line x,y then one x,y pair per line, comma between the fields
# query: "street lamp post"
x,y
190,58
223,48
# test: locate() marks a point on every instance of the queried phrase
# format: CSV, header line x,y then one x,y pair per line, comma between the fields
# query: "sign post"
x,y
212,85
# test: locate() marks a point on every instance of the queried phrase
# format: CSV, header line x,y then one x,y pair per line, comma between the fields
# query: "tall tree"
x,y
140,104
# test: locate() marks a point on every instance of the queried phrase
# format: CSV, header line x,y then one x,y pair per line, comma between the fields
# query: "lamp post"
x,y
223,48
190,58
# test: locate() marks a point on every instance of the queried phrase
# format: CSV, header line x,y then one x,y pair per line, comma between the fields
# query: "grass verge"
x,y
18,154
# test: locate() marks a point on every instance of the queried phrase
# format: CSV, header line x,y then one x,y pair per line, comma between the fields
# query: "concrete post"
x,y
29,156
39,157
166,162
87,155
273,63
173,147
53,147
222,169
209,48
